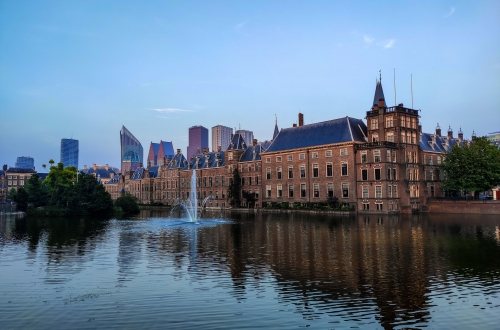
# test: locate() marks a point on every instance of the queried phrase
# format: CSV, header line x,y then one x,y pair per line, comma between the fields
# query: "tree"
x,y
234,190
37,192
127,204
20,196
250,197
473,167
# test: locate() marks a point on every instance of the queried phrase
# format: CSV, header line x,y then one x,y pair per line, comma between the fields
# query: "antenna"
x,y
411,88
395,99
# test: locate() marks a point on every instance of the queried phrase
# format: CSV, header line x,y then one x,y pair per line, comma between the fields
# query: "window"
x,y
289,158
377,174
344,169
279,191
268,159
268,173
374,123
364,174
375,137
403,137
363,157
329,189
378,191
302,190
389,136
328,153
278,173
315,170
229,156
439,160
343,152
290,190
366,206
290,172
379,206
345,190
395,190
278,159
314,155
268,191
376,156
302,156
389,191
408,122
389,121
302,171
365,192
316,190
329,169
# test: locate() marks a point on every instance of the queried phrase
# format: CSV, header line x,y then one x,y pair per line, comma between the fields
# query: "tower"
x,y
69,152
131,151
198,140
221,137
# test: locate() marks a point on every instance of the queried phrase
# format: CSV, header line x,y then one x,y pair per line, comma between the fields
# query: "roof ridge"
x,y
350,129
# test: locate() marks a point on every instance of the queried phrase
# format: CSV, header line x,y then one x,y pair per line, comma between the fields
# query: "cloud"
x,y
368,40
171,110
238,27
389,43
450,12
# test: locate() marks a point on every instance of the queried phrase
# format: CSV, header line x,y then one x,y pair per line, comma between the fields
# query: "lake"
x,y
246,271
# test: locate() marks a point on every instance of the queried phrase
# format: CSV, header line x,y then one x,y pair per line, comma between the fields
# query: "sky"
x,y
82,69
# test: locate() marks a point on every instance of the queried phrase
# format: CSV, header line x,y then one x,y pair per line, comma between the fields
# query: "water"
x,y
246,271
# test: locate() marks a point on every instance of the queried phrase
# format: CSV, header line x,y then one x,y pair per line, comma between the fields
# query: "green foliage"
x,y
63,193
234,190
127,205
473,167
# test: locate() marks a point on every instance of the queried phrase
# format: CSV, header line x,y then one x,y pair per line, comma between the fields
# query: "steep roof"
x,y
252,153
379,93
237,143
434,143
168,148
328,132
178,161
207,160
276,130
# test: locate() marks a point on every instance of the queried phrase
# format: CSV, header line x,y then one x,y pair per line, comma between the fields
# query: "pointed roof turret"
x,y
276,130
379,92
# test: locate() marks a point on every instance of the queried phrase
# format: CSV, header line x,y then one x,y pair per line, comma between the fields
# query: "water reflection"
x,y
391,271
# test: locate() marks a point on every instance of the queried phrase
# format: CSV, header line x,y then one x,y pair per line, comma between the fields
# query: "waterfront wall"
x,y
467,207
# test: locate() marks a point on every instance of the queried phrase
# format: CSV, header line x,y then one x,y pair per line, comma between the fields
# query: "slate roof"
x,y
153,171
252,153
20,170
156,147
276,130
178,161
208,160
168,148
138,173
100,171
116,179
237,143
379,93
328,132
440,144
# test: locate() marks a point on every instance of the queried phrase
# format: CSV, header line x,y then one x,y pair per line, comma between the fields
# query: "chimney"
x,y
438,130
301,119
94,167
178,151
450,133
294,125
254,142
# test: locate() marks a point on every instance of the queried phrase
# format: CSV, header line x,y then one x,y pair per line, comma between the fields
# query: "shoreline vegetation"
x,y
67,193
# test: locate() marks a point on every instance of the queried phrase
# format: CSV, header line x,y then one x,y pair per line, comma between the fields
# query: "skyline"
x,y
82,69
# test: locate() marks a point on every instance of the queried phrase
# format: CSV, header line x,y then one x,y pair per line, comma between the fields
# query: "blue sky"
x,y
81,69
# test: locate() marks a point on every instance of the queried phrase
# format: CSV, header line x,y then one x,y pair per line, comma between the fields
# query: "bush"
x,y
127,205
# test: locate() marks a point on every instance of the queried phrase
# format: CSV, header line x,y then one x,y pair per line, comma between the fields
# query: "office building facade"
x,y
132,154
247,136
25,162
221,137
198,140
69,152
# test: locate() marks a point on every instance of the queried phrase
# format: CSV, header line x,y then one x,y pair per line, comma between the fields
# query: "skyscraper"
x,y
25,162
69,152
247,136
198,140
131,151
221,137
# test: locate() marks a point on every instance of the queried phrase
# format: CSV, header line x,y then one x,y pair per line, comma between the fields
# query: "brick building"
x,y
386,165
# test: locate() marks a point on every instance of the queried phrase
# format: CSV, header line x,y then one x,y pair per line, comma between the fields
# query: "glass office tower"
x,y
69,152
131,151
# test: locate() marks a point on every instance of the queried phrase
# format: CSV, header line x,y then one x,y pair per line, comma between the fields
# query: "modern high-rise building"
x,y
221,137
131,151
25,162
69,152
247,136
198,140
